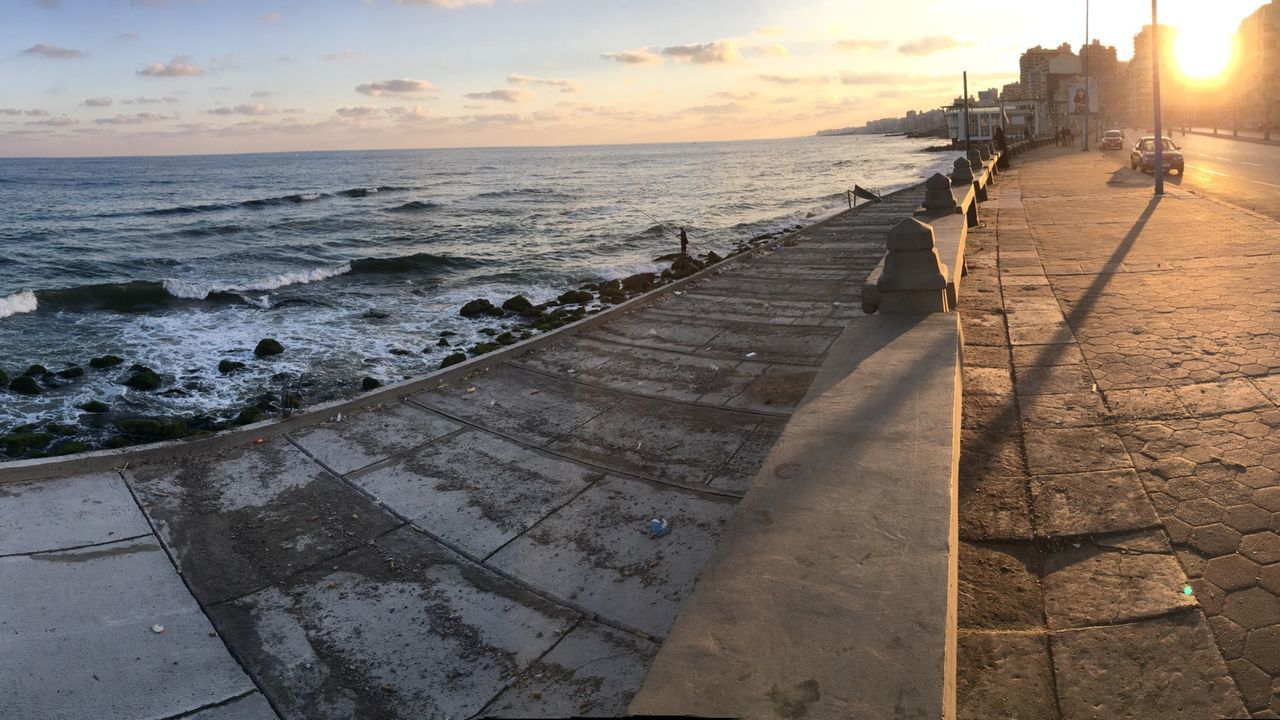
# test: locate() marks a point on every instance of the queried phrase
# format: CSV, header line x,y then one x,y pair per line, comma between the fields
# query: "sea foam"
x,y
200,290
18,303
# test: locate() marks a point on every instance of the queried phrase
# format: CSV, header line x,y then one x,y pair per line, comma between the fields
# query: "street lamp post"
x,y
1155,98
1087,53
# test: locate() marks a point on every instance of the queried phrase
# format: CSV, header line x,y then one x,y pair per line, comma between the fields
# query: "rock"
x,y
249,415
25,385
370,383
489,331
61,429
151,429
684,266
609,285
453,359
229,366
447,333
105,361
69,447
20,442
376,314
479,307
575,297
484,347
74,371
400,351
4,378
444,342
36,371
506,338
145,379
612,296
638,282
94,406
713,258
519,305
267,347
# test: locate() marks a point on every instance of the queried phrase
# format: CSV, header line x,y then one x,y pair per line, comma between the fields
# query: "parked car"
x,y
1143,156
1113,140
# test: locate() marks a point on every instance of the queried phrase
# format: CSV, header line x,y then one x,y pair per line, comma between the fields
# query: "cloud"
x,y
875,78
931,44
136,119
777,51
712,53
149,100
245,109
771,30
634,57
566,86
721,109
725,95
29,113
503,95
61,121
795,79
856,45
260,94
179,66
98,102
128,37
339,55
271,17
359,111
403,86
50,50
446,4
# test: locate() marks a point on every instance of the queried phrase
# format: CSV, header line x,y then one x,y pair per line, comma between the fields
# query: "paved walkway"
x,y
1121,449
479,549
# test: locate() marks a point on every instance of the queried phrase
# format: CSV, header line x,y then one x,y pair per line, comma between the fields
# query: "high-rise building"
x,y
1011,91
1140,73
1037,65
1257,81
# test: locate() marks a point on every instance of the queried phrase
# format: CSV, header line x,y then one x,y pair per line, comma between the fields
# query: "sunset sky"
x,y
112,77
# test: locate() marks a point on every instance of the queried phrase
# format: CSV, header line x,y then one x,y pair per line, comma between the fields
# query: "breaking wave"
x,y
18,303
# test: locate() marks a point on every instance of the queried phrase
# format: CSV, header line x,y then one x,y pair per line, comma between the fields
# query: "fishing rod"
x,y
656,220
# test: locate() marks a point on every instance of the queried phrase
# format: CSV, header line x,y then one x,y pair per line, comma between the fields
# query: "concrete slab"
x,y
593,672
1004,675
250,707
77,637
247,518
1090,503
1092,585
598,553
657,329
477,491
684,444
736,475
776,390
531,406
364,438
399,628
68,512
1167,668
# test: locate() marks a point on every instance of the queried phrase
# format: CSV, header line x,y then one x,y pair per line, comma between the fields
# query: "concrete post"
x,y
962,172
938,195
914,280
984,151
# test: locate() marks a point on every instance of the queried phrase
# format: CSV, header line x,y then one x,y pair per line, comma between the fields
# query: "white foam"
x,y
18,303
199,290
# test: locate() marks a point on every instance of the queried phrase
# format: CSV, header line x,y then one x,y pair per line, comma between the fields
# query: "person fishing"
x,y
684,242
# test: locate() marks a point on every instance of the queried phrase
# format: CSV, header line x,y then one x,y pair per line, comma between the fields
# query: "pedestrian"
x,y
1003,146
684,242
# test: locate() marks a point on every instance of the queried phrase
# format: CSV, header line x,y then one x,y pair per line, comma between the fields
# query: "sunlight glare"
x,y
1203,53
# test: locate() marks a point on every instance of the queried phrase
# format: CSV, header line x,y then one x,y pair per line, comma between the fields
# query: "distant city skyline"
x,y
123,77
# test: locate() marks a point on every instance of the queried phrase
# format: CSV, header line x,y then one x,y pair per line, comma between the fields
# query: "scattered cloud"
x,y
403,86
98,102
446,4
775,51
136,119
50,50
359,111
243,109
712,53
796,79
149,100
856,45
29,113
566,86
742,96
929,45
721,109
634,57
61,121
260,94
874,78
179,66
271,17
128,37
340,55
503,95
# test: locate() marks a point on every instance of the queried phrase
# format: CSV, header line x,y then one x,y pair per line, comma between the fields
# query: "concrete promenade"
x,y
1120,472
481,548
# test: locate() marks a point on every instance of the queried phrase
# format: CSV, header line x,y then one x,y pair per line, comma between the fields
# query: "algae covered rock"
x,y
25,385
153,429
638,282
453,359
74,371
268,347
105,361
36,371
69,447
479,307
22,442
144,378
370,383
229,366
519,305
250,415
576,297
94,406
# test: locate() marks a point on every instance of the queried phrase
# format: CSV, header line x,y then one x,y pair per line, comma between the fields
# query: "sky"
x,y
164,77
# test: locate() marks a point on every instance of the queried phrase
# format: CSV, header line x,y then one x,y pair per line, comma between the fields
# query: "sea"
x,y
358,262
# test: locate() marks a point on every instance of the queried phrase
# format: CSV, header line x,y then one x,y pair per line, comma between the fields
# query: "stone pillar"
x,y
914,280
984,152
962,172
938,195
975,159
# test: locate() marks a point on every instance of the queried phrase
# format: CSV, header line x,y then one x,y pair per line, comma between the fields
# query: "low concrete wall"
x,y
833,590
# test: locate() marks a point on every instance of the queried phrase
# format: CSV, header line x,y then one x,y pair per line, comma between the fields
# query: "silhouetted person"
x,y
684,242
1003,146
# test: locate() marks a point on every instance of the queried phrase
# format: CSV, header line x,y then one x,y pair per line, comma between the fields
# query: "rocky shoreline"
x,y
102,427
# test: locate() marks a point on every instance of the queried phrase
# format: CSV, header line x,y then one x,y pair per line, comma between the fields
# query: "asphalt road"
x,y
1240,172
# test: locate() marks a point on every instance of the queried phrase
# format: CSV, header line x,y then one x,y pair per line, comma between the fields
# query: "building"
x,y
1017,117
1140,80
1037,66
1257,80
1011,91
991,95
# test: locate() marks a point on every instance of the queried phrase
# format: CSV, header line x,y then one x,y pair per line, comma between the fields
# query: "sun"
x,y
1202,54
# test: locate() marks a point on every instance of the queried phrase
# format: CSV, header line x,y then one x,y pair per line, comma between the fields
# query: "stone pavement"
x,y
480,549
1120,472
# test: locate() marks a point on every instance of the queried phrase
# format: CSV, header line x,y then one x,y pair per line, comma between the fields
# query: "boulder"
x,y
69,447
105,361
506,338
4,378
249,415
713,258
453,359
229,366
62,430
575,297
20,442
144,379
638,282
400,351
684,266
609,285
370,383
612,296
479,307
95,407
36,371
152,429
444,342
519,305
25,385
74,371
484,347
267,347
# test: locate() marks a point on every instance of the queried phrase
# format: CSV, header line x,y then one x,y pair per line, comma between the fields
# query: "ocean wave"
x,y
202,290
415,206
418,262
518,192
135,296
18,303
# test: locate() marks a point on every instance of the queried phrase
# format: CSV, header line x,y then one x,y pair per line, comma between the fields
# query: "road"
x,y
1240,172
